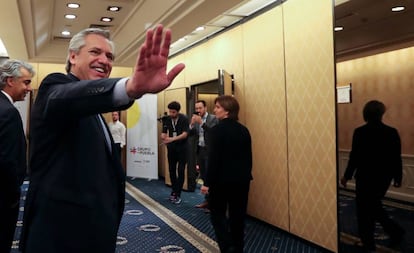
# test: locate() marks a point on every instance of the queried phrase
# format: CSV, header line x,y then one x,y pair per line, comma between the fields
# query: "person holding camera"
x,y
201,123
174,135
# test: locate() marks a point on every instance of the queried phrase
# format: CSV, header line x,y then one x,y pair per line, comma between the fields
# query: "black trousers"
x,y
369,210
177,159
202,160
228,204
8,219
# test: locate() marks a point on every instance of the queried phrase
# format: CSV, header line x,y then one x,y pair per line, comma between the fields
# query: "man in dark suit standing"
x,y
228,175
15,80
200,125
77,185
375,159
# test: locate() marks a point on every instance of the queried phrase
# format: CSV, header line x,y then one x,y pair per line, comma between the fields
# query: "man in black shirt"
x,y
174,135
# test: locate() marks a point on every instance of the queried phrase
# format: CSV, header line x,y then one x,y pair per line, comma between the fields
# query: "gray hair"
x,y
12,68
78,41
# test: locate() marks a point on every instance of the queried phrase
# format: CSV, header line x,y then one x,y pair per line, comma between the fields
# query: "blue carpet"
x,y
260,237
402,213
151,223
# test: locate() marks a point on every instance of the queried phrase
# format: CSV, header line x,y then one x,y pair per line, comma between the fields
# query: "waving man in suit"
x,y
77,190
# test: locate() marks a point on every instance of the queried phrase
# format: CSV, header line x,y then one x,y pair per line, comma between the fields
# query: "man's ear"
x,y
72,56
9,81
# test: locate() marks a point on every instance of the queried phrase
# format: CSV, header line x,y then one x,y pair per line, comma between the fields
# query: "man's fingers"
x,y
157,40
175,71
165,50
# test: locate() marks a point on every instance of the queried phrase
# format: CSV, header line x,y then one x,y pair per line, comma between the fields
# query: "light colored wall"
x,y
310,85
265,105
283,67
388,77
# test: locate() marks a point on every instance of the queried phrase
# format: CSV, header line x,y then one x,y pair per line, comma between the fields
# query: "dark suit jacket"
x,y
77,186
12,153
229,154
375,158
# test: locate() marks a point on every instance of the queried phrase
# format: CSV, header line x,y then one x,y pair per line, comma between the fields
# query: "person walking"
x,y
229,173
375,162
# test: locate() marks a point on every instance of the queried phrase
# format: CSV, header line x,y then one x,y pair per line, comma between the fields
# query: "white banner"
x,y
142,148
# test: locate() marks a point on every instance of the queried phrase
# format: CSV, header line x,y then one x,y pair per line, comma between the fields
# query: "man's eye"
x,y
110,57
94,52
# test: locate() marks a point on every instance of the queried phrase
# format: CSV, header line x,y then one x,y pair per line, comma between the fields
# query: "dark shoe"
x,y
172,197
202,205
177,200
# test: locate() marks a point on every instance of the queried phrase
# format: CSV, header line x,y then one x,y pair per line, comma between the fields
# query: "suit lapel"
x,y
105,133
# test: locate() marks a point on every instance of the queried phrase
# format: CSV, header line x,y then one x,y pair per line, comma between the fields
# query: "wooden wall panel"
x,y
310,86
266,117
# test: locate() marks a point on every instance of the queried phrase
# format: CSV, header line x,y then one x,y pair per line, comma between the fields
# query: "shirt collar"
x,y
8,96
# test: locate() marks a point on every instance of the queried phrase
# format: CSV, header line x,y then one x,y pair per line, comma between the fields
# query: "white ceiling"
x,y
40,23
31,29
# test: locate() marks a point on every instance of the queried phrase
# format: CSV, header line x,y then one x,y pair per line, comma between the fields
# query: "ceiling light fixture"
x,y
106,19
338,28
113,8
65,33
397,8
200,28
73,5
70,16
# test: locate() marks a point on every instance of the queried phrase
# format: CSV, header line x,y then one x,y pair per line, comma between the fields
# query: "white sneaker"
x,y
177,200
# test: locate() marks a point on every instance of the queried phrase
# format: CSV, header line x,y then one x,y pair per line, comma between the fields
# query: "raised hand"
x,y
150,72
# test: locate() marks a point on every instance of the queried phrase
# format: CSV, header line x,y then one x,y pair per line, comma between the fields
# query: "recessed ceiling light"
x,y
70,16
65,33
398,8
106,19
338,28
113,8
73,5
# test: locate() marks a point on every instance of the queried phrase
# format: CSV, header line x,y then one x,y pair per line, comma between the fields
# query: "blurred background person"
x,y
374,161
200,124
228,175
174,135
118,132
15,83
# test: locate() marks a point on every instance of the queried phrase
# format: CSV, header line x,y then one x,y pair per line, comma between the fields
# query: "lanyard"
x,y
174,123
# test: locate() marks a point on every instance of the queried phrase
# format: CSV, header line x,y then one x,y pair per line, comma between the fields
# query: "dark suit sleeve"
x,y
64,97
9,151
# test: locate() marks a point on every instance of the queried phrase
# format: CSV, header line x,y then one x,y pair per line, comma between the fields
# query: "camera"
x,y
163,118
196,113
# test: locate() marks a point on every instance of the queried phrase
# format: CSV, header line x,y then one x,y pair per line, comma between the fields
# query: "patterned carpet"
x,y
151,223
402,213
260,237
